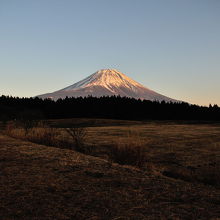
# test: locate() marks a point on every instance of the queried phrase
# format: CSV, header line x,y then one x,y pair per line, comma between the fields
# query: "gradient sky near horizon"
x,y
170,46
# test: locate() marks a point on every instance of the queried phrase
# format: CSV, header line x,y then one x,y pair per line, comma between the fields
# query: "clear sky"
x,y
170,46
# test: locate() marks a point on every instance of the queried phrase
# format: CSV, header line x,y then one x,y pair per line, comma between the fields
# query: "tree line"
x,y
115,107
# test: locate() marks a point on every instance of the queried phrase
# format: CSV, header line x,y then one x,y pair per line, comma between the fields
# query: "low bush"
x,y
129,152
47,136
78,136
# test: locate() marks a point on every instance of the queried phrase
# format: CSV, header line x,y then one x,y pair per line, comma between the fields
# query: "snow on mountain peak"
x,y
107,82
107,78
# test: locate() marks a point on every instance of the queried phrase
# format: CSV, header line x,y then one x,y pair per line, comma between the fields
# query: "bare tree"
x,y
78,135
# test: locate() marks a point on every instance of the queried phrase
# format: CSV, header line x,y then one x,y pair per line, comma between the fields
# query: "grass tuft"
x,y
129,152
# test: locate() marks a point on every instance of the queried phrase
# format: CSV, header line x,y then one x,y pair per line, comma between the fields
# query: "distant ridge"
x,y
107,82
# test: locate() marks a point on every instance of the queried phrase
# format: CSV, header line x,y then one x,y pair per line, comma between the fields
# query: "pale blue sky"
x,y
170,46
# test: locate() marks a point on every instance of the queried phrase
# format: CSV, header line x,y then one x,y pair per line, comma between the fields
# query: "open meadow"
x,y
184,151
122,170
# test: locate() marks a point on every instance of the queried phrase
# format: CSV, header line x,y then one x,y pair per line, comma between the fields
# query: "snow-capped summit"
x,y
107,82
107,78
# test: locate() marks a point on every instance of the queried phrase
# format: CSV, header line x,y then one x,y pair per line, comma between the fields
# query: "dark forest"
x,y
12,108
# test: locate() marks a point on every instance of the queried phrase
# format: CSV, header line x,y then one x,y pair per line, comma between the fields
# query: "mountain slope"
x,y
107,82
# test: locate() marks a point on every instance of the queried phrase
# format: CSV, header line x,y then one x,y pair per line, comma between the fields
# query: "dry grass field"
x,y
185,151
179,177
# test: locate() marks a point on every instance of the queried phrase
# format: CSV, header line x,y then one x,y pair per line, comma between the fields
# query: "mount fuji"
x,y
107,82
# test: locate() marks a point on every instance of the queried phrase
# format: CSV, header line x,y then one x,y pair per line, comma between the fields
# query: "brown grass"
x,y
188,152
46,183
209,175
129,151
41,134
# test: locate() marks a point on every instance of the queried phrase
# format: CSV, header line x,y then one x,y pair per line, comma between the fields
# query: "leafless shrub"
x,y
41,133
78,135
10,127
28,119
27,125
